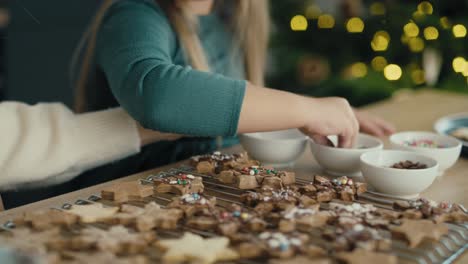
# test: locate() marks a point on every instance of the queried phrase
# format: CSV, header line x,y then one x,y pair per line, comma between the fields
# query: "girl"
x,y
196,67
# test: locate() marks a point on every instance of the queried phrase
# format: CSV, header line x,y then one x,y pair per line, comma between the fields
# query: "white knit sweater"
x,y
47,144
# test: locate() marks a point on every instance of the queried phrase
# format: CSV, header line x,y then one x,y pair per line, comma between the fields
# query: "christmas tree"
x,y
365,50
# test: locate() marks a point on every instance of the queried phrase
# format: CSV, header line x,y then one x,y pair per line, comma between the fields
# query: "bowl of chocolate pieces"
x,y
276,148
398,173
445,149
344,161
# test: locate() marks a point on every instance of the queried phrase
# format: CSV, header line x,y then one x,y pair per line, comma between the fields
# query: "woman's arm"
x,y
134,50
47,143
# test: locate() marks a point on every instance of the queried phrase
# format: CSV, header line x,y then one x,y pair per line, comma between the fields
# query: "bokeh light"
x,y
431,33
392,72
425,7
299,23
411,29
326,21
378,63
377,9
459,64
418,76
417,15
416,44
355,25
459,31
313,12
445,23
358,69
380,41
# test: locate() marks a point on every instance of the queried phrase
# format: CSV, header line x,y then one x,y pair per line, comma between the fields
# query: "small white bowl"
x,y
446,156
276,148
344,161
377,171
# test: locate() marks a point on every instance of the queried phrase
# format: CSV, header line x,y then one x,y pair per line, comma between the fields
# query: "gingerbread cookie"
x,y
301,260
303,219
101,258
256,176
415,231
359,256
324,190
117,239
126,191
32,243
427,209
91,213
281,245
147,218
179,184
196,249
213,164
192,203
45,219
357,236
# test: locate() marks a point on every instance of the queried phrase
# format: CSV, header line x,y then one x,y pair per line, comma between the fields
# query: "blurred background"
x,y
363,50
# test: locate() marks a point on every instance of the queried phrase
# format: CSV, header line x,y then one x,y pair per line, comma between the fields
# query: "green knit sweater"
x,y
146,70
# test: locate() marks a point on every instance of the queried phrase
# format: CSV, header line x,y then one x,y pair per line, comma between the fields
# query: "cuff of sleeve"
x,y
239,94
110,135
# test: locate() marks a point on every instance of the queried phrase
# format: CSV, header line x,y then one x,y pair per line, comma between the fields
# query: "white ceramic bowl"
x,y
341,161
377,171
277,148
446,156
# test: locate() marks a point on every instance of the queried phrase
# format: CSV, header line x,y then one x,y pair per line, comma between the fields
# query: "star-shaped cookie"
x,y
196,249
117,239
360,255
126,191
415,231
91,213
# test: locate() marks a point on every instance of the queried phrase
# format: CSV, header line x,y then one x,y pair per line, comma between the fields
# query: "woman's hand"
x,y
330,116
373,125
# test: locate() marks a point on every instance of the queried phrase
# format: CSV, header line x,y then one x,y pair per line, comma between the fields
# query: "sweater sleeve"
x,y
48,144
134,50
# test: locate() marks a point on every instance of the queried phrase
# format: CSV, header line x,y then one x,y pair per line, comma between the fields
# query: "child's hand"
x,y
330,116
373,125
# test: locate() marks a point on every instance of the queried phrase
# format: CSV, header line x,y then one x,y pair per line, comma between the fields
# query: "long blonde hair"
x,y
250,24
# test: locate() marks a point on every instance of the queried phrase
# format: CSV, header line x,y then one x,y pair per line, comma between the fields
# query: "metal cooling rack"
x,y
444,251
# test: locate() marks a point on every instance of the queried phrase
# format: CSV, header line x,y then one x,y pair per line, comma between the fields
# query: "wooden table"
x,y
407,110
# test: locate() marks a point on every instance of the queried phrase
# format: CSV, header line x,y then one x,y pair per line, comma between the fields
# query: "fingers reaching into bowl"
x,y
330,116
374,125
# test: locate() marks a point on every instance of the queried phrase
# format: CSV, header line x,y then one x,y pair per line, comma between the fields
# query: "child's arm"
x,y
47,143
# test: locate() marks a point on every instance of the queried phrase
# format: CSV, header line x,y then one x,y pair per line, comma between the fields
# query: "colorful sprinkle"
x,y
236,213
425,143
244,216
284,246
